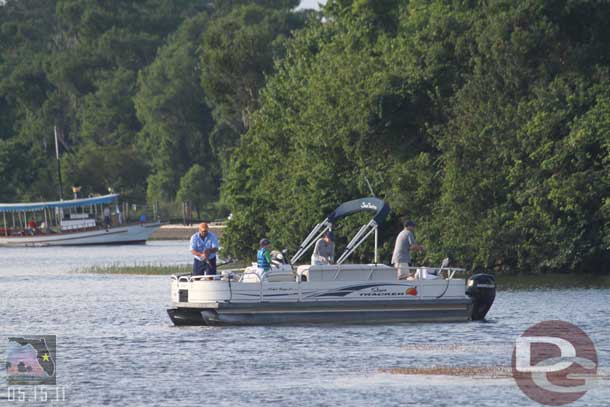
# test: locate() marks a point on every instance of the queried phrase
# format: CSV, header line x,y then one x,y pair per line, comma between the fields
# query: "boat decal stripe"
x,y
348,290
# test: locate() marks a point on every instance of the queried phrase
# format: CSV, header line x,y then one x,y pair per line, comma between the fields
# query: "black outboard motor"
x,y
482,290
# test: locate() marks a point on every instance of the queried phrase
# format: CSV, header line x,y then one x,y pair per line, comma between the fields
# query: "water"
x,y
116,345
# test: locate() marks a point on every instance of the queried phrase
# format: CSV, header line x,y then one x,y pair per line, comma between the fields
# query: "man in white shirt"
x,y
107,217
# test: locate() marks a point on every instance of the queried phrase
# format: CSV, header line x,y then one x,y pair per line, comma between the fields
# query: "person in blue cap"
x,y
324,251
263,256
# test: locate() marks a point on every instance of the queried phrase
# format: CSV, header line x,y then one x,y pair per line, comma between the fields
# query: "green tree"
x,y
237,53
170,105
197,186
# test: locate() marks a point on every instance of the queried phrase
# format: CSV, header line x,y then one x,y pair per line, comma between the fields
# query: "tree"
x,y
198,187
238,50
170,105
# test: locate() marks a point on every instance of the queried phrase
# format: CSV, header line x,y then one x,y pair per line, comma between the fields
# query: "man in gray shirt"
x,y
405,242
324,252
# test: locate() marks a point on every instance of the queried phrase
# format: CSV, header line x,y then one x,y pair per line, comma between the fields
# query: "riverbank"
x,y
183,232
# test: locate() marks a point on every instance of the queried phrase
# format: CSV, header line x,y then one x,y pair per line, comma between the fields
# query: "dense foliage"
x,y
486,122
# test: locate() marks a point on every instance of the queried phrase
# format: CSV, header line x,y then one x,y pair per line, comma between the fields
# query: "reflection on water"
x,y
116,345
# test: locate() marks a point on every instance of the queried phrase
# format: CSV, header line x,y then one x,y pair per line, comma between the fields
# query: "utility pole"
x,y
61,187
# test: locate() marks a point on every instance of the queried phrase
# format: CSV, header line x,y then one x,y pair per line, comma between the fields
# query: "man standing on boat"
x,y
324,251
204,246
405,242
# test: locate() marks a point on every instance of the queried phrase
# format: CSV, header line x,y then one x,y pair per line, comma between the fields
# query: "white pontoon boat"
x,y
353,293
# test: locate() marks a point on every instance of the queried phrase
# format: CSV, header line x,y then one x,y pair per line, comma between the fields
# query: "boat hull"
x,y
131,234
353,312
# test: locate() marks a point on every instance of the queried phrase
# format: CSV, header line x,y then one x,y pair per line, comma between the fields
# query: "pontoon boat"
x,y
352,293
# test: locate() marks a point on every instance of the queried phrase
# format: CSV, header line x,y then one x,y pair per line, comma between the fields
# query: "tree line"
x,y
486,122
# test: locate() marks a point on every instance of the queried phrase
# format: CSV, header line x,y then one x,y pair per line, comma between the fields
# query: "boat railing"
x,y
416,272
258,277
449,271
229,277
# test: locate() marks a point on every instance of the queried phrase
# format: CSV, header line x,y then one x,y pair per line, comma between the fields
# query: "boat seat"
x,y
279,276
272,276
347,272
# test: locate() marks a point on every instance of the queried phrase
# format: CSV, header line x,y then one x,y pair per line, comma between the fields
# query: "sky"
x,y
311,3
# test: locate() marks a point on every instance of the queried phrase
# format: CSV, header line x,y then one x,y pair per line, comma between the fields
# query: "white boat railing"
x,y
226,276
450,271
230,276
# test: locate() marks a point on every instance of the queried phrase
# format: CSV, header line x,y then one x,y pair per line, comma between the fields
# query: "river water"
x,y
116,345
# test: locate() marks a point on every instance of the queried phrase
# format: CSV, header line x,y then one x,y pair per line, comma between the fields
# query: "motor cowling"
x,y
481,288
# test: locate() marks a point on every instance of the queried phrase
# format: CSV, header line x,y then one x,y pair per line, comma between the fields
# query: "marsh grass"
x,y
147,269
143,269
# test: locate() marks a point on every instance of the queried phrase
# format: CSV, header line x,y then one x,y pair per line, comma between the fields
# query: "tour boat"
x,y
331,293
73,222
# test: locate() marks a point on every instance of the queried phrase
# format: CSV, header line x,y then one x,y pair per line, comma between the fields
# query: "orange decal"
x,y
411,291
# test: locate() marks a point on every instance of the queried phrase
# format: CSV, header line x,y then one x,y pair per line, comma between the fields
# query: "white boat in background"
x,y
74,222
334,293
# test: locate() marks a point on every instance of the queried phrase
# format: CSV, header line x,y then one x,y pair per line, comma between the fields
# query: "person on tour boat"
x,y
107,220
32,226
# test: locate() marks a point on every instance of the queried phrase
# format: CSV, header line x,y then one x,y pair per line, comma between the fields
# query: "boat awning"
x,y
74,203
371,204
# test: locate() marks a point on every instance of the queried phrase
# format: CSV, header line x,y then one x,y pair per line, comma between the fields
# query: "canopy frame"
x,y
376,205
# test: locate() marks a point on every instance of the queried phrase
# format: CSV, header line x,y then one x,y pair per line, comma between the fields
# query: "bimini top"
x,y
73,203
371,204
376,205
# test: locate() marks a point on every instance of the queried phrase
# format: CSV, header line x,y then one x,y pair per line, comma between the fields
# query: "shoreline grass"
x,y
146,269
136,269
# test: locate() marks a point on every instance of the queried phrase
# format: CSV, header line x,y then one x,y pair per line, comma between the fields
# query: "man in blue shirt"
x,y
204,246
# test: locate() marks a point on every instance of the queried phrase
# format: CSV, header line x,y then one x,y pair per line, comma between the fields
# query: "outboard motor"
x,y
482,290
278,258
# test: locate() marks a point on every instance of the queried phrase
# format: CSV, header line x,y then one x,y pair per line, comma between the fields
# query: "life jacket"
x,y
261,260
